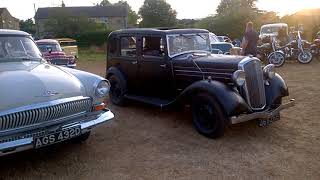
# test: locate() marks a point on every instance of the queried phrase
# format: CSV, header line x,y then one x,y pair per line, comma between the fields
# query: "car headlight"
x,y
239,77
102,89
268,71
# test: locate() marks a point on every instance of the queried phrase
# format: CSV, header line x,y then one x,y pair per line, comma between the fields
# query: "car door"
x,y
154,73
126,59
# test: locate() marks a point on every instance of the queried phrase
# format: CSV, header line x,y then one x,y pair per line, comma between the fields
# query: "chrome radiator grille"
x,y
44,113
254,84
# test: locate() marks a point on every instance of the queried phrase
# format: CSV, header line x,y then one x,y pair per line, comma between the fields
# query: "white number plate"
x,y
56,137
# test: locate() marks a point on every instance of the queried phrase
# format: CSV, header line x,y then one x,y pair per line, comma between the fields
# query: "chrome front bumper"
x,y
268,114
27,143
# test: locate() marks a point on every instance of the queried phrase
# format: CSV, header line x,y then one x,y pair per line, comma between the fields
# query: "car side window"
x,y
153,46
128,46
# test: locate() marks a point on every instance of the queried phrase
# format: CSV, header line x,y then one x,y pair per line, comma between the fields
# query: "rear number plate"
x,y
56,137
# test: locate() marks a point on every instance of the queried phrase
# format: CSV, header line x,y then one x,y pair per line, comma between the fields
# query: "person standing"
x,y
250,41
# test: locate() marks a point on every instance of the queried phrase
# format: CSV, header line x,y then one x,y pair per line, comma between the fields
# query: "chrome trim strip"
x,y
16,143
42,105
261,115
42,124
204,72
103,117
213,69
190,75
27,143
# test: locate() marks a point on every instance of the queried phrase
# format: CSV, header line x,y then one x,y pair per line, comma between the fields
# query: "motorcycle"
x,y
315,47
297,49
276,57
263,51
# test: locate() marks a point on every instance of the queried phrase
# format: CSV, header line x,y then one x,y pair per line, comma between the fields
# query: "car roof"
x,y
47,41
10,32
158,31
65,39
275,25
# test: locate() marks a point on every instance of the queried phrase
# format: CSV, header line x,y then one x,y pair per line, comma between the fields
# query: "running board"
x,y
149,100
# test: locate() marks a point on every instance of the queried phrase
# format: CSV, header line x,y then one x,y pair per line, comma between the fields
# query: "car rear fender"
x,y
115,71
231,102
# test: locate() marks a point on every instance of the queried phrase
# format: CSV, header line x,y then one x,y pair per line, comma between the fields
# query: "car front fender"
x,y
275,90
231,102
89,81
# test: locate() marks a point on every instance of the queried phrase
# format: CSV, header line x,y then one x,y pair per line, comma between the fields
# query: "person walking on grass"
x,y
250,41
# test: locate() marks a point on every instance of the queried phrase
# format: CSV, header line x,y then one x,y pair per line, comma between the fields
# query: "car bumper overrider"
x,y
267,114
25,141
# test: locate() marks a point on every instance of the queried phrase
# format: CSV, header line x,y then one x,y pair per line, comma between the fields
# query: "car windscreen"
x,y
273,29
180,43
18,48
46,47
68,43
223,47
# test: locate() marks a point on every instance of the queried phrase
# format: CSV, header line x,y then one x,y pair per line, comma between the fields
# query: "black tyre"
x,y
277,59
208,117
117,90
305,57
82,138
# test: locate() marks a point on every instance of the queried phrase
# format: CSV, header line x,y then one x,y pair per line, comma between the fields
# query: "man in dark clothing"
x,y
250,41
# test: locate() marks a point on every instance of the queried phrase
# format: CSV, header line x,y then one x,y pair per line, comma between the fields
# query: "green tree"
x,y
104,3
28,26
231,17
157,13
62,4
132,15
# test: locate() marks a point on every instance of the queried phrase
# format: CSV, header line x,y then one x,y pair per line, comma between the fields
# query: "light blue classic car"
x,y
42,104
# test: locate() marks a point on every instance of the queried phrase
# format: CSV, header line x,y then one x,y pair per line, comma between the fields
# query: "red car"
x,y
53,53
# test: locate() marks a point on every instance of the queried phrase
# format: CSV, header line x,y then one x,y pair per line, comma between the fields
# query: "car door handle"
x,y
163,65
134,62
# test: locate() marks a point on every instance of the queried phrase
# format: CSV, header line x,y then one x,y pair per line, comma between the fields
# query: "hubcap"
x,y
206,116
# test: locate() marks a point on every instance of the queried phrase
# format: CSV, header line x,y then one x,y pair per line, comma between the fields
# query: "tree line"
x,y
229,19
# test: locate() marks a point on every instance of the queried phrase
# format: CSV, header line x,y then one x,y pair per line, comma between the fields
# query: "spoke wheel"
x,y
276,59
305,57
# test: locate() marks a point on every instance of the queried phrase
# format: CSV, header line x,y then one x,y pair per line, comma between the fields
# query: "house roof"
x,y
88,11
5,9
1,10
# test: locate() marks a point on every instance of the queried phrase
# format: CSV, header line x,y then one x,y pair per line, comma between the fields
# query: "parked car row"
x,y
43,104
53,53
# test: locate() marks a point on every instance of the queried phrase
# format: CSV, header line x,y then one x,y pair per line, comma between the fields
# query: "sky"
x,y
193,9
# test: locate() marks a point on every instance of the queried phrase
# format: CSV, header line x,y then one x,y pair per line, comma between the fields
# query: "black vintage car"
x,y
175,66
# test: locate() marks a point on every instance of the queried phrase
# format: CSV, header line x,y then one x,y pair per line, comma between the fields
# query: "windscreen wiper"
x,y
201,37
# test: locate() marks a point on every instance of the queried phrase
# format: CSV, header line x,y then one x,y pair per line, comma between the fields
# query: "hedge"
x,y
92,38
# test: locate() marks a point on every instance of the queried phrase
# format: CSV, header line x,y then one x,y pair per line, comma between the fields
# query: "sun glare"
x,y
284,7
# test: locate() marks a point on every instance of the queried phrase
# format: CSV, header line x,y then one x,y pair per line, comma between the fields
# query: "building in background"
x,y
113,17
7,21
